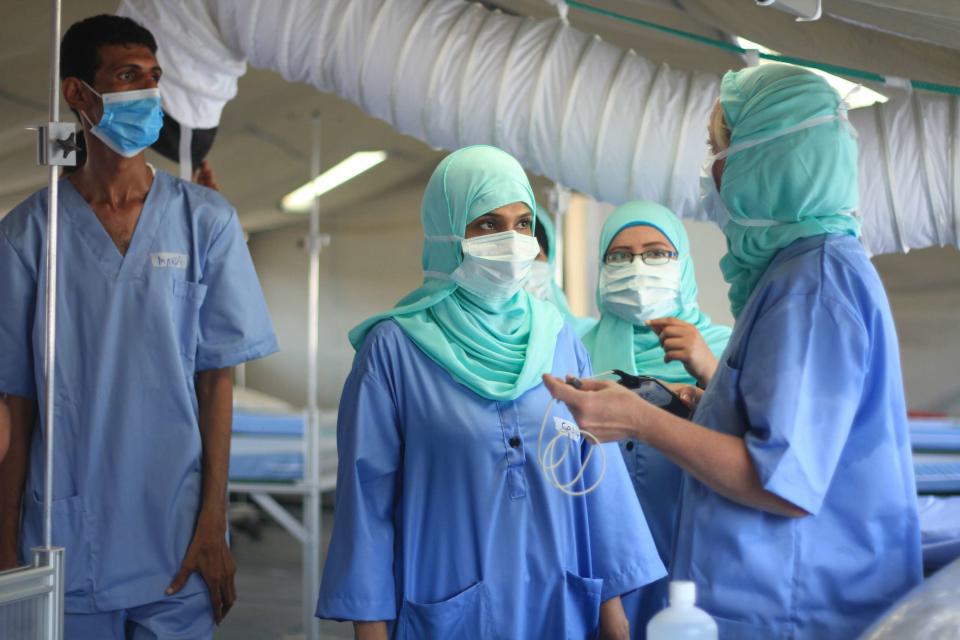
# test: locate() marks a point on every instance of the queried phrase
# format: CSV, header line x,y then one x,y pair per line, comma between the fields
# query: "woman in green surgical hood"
x,y
446,525
798,517
652,325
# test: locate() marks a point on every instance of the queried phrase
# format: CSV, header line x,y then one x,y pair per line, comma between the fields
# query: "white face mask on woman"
x,y
637,292
540,281
495,266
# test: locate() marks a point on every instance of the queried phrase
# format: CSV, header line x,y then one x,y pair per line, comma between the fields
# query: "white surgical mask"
x,y
540,281
710,201
637,292
495,266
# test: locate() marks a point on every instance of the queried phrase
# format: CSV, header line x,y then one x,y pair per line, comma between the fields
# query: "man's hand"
x,y
209,556
613,621
681,341
21,415
608,410
8,558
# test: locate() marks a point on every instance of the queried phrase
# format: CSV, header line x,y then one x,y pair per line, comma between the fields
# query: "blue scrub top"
x,y
132,332
445,523
658,483
811,380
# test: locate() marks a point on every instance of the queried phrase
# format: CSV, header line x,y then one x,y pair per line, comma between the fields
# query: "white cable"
x,y
550,463
547,457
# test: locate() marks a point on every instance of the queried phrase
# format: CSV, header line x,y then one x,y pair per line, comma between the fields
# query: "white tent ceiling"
x,y
262,148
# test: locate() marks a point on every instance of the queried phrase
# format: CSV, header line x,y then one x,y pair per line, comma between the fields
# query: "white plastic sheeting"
x,y
602,120
910,172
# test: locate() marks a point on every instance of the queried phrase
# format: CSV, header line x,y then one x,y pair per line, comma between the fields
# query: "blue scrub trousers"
x,y
177,618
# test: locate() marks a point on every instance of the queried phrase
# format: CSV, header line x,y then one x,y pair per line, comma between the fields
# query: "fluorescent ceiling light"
x,y
864,97
299,200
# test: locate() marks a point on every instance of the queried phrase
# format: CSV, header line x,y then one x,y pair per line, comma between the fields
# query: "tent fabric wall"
x,y
569,106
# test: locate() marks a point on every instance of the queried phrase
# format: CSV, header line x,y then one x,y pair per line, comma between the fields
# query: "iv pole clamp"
x,y
56,144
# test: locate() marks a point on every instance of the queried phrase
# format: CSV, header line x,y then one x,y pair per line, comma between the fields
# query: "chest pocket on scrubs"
x,y
464,616
187,299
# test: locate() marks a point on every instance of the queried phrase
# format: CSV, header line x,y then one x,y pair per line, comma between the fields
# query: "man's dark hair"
x,y
80,47
80,53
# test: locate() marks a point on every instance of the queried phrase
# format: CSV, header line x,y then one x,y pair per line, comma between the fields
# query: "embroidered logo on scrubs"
x,y
566,428
169,260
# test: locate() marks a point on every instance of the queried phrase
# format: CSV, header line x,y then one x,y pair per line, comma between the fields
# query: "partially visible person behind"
x,y
204,175
652,325
542,281
158,300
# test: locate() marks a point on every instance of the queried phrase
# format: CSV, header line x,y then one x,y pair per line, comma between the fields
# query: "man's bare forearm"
x,y
215,400
13,473
370,630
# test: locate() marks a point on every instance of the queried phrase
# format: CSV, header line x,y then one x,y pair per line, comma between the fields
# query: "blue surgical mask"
x,y
131,120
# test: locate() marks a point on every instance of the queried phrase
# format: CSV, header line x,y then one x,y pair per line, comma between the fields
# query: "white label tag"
x,y
567,428
169,260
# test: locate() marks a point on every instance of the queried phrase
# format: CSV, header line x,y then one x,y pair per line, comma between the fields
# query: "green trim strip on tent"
x,y
727,46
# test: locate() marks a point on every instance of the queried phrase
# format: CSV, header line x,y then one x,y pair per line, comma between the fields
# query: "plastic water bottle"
x,y
682,620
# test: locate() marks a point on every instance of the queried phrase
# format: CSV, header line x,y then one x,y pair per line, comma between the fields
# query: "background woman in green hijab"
x,y
542,283
652,325
446,526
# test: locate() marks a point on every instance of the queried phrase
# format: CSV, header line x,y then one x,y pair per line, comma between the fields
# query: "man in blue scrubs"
x,y
157,300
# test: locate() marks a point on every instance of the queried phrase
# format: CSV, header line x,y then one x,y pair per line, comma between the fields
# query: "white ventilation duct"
x,y
569,106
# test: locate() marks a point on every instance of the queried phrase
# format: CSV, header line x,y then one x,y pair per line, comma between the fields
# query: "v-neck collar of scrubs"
x,y
114,265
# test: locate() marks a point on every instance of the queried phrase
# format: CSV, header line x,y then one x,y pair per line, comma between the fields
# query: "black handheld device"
x,y
654,392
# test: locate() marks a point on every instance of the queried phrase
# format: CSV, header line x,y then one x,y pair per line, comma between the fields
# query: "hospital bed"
x,y
936,462
267,446
273,453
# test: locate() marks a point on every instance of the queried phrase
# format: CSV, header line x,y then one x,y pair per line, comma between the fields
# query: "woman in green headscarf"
x,y
541,281
446,525
651,325
799,515
650,321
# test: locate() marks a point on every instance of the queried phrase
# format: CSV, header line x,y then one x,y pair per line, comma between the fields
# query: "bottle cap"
x,y
683,593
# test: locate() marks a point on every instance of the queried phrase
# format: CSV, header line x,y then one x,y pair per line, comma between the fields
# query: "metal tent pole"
x,y
311,501
52,152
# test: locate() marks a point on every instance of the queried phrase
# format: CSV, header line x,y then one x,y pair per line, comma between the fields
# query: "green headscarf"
x,y
558,297
617,344
499,349
805,180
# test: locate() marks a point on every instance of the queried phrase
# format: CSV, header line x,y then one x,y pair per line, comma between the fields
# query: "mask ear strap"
x,y
806,124
94,92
